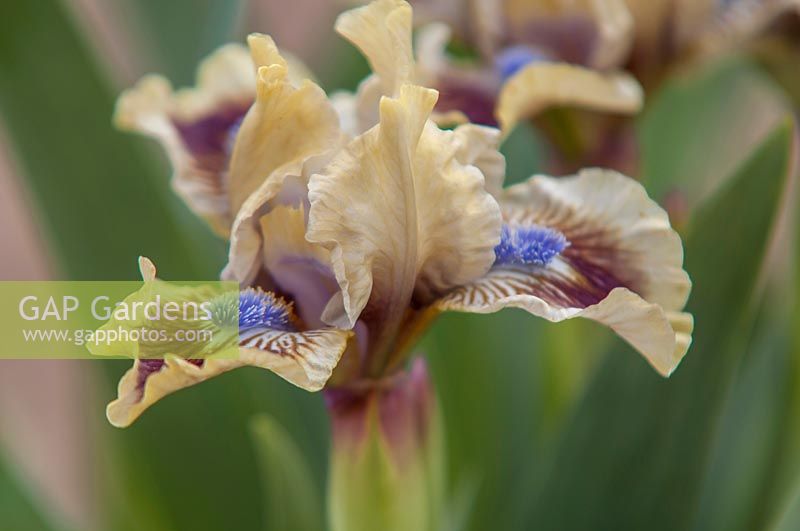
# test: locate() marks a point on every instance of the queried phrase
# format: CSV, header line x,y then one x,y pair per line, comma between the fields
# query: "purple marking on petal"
x,y
475,102
208,137
569,38
596,264
591,262
310,284
148,367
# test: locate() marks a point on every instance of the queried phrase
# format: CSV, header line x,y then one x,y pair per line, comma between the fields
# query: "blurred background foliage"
x,y
548,427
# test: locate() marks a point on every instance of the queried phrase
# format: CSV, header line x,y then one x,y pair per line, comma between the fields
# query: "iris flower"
x,y
348,244
499,62
505,61
197,126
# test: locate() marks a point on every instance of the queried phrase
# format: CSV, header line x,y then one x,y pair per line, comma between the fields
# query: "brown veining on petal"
x,y
584,274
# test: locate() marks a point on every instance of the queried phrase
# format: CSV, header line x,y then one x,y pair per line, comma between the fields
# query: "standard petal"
x,y
288,134
382,31
401,215
285,128
542,85
195,126
478,145
619,262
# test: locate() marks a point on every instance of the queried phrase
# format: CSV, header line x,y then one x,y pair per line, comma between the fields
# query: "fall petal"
x,y
195,126
542,85
595,246
267,338
663,28
305,359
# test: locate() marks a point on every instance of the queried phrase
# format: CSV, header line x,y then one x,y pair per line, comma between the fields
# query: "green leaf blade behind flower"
x,y
182,32
638,446
291,498
102,200
16,509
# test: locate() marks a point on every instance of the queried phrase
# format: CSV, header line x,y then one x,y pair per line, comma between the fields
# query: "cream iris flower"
x,y
528,56
348,245
197,126
533,54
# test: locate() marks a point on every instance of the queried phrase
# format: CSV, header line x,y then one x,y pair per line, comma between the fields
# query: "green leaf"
x,y
789,519
523,150
102,200
17,511
738,492
700,127
182,32
291,500
637,449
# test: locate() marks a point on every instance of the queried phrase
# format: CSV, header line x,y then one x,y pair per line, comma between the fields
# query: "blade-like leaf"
x,y
292,500
638,446
738,491
182,32
16,509
102,200
699,128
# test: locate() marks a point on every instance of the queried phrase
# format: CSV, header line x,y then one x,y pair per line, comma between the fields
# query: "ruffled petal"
x,y
195,126
382,31
542,85
401,215
285,128
296,267
305,359
597,247
266,340
264,52
479,146
288,134
198,126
